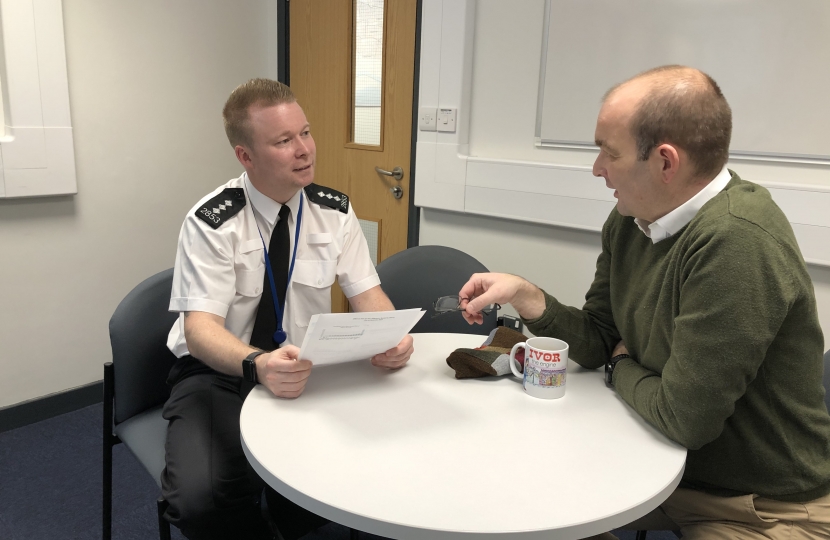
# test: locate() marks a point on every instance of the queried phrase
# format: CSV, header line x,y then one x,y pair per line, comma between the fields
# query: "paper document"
x,y
342,337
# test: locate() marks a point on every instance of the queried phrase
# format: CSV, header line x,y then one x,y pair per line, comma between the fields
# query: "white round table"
x,y
418,454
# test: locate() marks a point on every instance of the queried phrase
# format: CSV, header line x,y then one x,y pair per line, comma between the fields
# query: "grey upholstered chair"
x,y
135,385
416,277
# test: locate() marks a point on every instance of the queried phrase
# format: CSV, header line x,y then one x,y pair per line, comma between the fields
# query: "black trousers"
x,y
211,488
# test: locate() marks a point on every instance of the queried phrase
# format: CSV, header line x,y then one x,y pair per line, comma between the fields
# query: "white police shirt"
x,y
220,267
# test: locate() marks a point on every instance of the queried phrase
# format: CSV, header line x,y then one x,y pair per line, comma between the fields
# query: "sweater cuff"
x,y
628,375
552,307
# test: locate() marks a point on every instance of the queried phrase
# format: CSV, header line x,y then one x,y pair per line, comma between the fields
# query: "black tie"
x,y
265,324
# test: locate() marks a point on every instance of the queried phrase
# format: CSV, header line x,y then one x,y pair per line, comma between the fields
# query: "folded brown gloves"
x,y
492,358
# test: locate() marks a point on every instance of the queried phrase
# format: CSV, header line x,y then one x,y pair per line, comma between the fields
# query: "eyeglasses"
x,y
448,304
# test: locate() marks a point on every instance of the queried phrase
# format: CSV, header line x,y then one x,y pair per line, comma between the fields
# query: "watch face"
x,y
609,373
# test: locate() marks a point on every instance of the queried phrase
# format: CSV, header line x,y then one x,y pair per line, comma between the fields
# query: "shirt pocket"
x,y
318,247
249,282
311,289
250,268
318,238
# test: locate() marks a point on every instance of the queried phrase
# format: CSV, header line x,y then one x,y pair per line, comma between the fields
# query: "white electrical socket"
x,y
427,119
446,119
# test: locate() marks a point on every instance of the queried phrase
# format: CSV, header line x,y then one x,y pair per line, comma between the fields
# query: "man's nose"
x,y
597,170
301,148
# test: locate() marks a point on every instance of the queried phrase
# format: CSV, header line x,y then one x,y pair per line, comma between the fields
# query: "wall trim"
x,y
782,158
283,42
43,408
414,216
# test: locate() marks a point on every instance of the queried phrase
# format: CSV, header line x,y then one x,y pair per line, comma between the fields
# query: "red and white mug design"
x,y
545,366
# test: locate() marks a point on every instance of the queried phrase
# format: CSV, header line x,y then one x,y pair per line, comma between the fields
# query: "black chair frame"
x,y
110,440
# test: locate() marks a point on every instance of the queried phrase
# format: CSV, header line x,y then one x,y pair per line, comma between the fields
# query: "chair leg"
x,y
641,535
354,534
107,494
164,525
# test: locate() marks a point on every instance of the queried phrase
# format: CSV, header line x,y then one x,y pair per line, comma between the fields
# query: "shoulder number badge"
x,y
221,208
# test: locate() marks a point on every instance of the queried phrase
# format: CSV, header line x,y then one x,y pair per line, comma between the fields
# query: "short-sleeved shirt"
x,y
222,270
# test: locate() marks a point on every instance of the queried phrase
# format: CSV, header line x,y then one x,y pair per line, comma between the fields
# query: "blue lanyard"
x,y
280,335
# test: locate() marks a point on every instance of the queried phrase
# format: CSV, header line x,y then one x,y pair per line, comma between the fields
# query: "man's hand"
x,y
282,372
395,357
485,289
619,349
376,300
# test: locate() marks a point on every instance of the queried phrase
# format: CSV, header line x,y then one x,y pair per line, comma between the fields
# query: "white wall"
x,y
505,79
147,81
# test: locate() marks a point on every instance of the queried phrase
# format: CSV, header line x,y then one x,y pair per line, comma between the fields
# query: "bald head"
x,y
681,106
666,79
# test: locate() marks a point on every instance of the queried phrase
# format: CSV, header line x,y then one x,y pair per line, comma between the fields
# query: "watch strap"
x,y
249,367
610,365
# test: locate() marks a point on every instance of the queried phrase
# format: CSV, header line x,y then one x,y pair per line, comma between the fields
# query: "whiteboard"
x,y
771,58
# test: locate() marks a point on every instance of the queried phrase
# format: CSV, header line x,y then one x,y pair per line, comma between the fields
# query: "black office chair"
x,y
135,385
416,277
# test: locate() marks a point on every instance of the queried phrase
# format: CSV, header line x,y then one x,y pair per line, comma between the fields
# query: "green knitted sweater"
x,y
721,322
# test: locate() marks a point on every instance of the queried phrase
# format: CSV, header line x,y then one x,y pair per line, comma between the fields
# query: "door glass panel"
x,y
370,231
367,76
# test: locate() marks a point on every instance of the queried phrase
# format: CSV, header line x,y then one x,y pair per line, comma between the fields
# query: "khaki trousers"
x,y
699,516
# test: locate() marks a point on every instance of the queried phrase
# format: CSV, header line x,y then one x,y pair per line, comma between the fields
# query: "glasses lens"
x,y
446,303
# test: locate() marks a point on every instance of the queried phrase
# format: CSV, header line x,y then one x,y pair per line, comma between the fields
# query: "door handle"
x,y
396,173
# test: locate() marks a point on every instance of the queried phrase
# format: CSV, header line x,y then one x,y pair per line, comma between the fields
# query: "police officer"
x,y
256,259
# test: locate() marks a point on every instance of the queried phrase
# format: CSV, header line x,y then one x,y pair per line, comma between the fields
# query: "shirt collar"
x,y
267,207
678,218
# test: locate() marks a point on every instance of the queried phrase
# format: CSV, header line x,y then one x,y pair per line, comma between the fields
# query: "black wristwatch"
x,y
610,365
249,367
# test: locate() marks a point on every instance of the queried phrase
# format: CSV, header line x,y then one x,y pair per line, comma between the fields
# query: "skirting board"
x,y
42,408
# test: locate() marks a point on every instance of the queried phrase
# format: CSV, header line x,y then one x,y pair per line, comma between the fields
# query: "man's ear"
x,y
242,155
669,160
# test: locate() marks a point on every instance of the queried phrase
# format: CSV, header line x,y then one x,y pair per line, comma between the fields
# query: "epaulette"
x,y
221,208
325,196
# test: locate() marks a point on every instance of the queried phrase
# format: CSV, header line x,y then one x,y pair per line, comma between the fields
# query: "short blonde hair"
x,y
263,92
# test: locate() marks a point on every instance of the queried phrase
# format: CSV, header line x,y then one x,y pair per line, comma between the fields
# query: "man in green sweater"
x,y
703,314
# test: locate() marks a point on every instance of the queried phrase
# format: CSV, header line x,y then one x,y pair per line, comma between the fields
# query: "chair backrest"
x,y
416,277
827,379
140,357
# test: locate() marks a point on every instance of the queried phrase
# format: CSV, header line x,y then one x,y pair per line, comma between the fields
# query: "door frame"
x,y
283,76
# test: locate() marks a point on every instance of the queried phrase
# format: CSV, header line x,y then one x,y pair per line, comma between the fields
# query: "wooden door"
x,y
359,105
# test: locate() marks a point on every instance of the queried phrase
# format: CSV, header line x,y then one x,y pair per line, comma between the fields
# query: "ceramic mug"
x,y
545,364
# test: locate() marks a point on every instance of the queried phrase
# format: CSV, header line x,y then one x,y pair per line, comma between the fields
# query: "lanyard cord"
x,y
279,334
